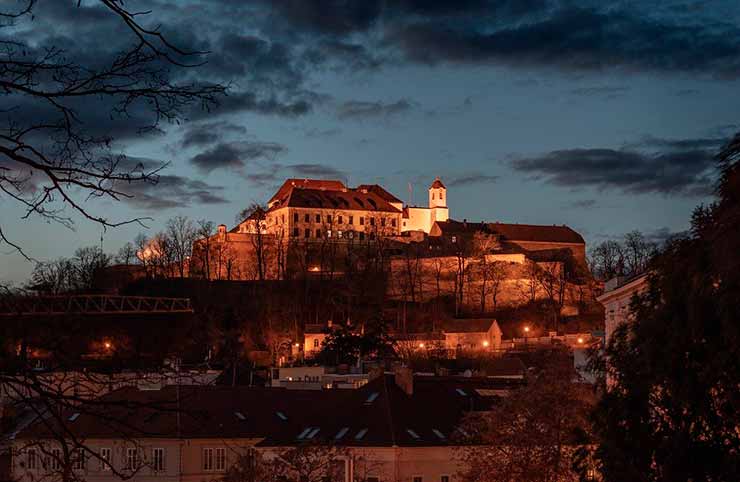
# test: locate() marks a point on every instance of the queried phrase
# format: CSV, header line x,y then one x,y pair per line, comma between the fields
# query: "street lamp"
x,y
421,345
485,343
580,340
526,332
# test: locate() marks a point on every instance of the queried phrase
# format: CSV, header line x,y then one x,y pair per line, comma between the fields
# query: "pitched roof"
x,y
351,199
437,184
386,413
289,184
514,232
380,191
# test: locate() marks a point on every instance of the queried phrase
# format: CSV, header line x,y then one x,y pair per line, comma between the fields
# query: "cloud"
x,y
607,92
209,133
360,110
583,204
681,168
235,155
471,180
316,170
172,191
322,133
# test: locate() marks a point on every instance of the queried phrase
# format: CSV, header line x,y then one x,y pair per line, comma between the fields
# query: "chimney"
x,y
404,378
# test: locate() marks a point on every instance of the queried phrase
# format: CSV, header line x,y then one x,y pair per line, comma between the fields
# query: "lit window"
x,y
105,460
454,239
158,459
339,234
315,342
328,233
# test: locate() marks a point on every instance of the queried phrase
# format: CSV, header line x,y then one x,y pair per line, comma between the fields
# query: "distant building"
x,y
617,296
397,427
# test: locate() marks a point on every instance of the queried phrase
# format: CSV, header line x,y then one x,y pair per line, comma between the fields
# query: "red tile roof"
x,y
350,199
289,184
380,191
514,232
437,184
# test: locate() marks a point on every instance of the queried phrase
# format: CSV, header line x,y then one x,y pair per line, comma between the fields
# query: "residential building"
x,y
617,296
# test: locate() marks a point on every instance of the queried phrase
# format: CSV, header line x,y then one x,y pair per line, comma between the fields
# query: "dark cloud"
x,y
471,179
235,155
583,204
172,191
209,133
316,170
683,168
606,92
332,17
576,39
359,110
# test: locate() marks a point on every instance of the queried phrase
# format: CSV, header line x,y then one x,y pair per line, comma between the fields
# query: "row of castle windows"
x,y
339,219
339,234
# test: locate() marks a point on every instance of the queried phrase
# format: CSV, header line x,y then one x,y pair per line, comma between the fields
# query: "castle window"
x,y
318,233
339,220
362,221
328,218
295,232
351,220
295,217
307,233
362,236
432,196
318,218
393,222
328,233
339,234
382,222
372,221
282,219
441,195
306,217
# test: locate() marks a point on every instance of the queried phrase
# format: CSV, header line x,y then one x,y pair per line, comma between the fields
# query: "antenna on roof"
x,y
411,191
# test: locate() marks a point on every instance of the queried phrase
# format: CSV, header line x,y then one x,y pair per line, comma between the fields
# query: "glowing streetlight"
x,y
421,345
580,340
526,329
107,345
485,343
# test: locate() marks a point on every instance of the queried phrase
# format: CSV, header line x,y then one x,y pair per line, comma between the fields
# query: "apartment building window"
x,y
158,459
362,221
382,222
328,218
220,459
393,222
296,232
56,459
318,218
79,460
31,459
318,233
307,233
105,459
208,459
351,220
132,459
372,221
307,217
339,219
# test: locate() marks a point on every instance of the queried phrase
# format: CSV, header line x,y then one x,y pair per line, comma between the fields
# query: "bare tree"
x,y
181,232
127,254
637,252
52,161
530,434
607,260
202,248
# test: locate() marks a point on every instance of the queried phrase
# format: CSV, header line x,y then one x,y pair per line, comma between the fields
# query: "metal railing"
x,y
91,304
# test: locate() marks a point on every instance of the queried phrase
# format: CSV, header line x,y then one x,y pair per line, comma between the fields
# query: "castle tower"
x,y
437,194
438,202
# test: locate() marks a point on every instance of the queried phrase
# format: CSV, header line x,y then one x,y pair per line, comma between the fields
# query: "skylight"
x,y
74,416
281,415
360,434
240,416
413,434
305,432
313,433
371,398
461,392
341,433
439,434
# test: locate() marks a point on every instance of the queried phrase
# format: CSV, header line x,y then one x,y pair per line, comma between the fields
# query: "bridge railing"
x,y
91,304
